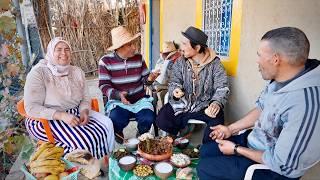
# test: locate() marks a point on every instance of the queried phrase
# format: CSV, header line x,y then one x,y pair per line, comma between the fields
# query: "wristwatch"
x,y
235,149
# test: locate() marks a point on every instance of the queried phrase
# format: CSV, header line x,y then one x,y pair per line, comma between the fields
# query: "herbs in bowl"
x,y
155,149
120,153
192,152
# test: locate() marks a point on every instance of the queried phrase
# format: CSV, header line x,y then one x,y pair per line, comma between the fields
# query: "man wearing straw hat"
x,y
164,64
122,76
168,57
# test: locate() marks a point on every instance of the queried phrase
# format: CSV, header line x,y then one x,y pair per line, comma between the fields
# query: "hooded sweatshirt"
x,y
202,83
288,128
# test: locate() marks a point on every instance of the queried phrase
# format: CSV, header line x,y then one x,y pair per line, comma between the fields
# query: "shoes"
x,y
186,130
119,137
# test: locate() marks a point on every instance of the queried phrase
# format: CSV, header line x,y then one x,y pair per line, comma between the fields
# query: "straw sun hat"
x,y
168,46
121,36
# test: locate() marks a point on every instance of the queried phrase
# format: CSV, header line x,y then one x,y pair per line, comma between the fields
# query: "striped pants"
x,y
97,136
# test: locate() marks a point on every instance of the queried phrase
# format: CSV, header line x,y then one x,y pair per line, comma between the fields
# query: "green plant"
x,y
12,76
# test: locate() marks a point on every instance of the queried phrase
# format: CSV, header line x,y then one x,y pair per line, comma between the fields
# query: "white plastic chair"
x,y
252,168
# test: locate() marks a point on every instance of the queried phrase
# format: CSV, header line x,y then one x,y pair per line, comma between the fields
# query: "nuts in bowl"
x,y
180,160
142,170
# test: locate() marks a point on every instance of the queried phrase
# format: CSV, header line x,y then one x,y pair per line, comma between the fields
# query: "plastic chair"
x,y
252,168
45,123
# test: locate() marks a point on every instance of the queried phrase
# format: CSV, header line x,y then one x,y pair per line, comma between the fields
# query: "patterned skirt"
x,y
97,136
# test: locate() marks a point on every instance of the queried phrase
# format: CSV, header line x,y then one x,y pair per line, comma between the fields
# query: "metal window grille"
x,y
217,16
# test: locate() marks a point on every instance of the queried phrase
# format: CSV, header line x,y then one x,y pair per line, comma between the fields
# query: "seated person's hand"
x,y
123,95
212,110
178,93
220,132
153,75
226,147
84,117
70,119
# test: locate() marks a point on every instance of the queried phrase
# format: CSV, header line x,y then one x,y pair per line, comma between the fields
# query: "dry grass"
x,y
86,25
42,16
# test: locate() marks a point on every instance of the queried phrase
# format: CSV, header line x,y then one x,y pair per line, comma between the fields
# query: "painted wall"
x,y
259,17
177,16
145,39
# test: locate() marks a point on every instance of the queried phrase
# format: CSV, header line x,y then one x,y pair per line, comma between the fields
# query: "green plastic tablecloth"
x,y
115,172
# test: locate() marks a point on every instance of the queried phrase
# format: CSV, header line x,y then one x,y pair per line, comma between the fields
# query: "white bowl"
x,y
127,163
132,144
163,170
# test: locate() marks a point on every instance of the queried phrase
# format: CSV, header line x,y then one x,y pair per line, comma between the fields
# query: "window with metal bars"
x,y
217,17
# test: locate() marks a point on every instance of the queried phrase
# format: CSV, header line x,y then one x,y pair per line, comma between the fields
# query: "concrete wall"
x,y
177,16
258,17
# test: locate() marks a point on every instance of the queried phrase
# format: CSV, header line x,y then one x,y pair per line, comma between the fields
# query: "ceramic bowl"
x,y
180,160
182,143
132,144
127,163
163,170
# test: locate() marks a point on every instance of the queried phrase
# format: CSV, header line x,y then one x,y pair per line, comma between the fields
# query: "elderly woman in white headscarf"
x,y
57,91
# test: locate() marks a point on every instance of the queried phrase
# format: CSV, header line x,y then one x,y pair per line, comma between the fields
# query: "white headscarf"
x,y
55,68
